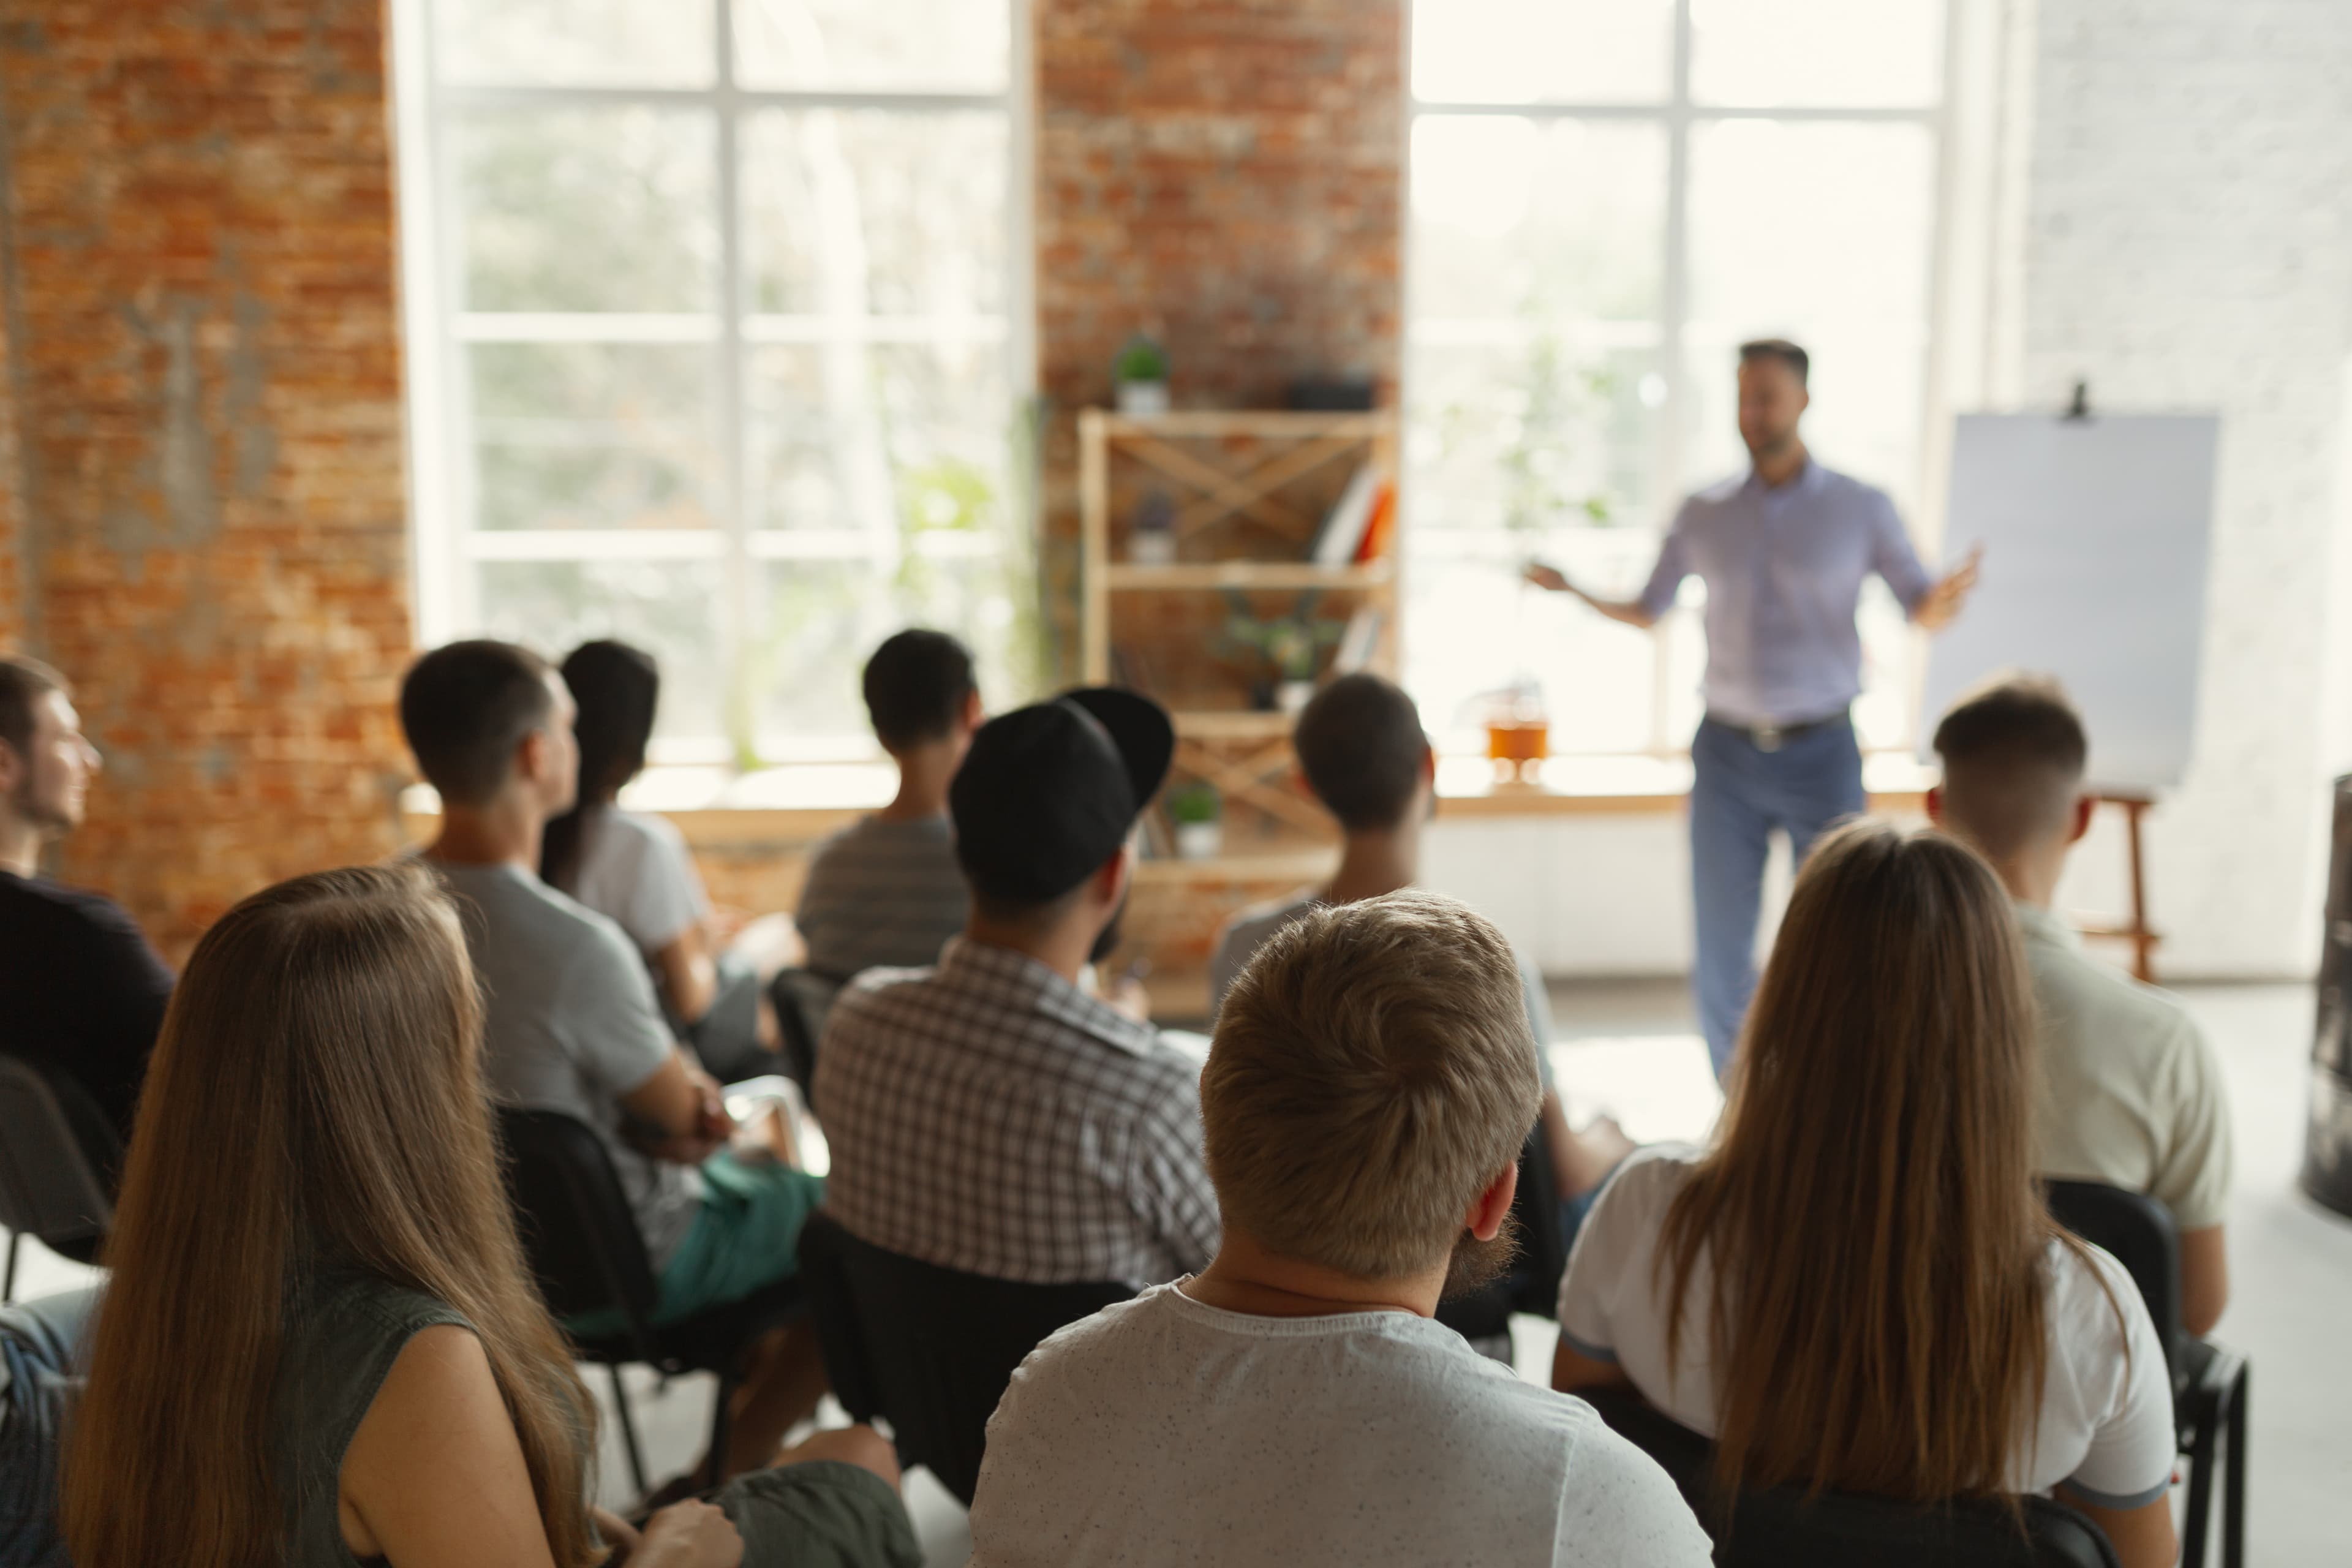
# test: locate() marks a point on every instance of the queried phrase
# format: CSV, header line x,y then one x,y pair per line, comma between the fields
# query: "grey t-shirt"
x,y
1243,935
1165,1431
570,1025
882,895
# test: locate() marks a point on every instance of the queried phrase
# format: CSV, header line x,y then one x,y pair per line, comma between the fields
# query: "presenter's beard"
x,y
1477,1264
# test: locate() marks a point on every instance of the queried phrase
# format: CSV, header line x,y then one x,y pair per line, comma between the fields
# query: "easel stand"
x,y
2135,930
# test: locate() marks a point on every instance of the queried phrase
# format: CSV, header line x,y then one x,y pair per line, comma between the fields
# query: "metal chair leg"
x,y
2197,1526
628,1430
8,1285
722,1422
2233,1480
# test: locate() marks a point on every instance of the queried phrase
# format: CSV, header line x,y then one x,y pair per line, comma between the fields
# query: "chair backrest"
x,y
1533,1283
928,1349
802,998
577,1228
2140,1233
1771,1526
56,1147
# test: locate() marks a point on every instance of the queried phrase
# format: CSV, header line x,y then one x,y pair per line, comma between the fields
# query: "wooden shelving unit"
x,y
1234,481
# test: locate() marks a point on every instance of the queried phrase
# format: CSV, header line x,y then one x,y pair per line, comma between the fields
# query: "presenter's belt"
x,y
1772,737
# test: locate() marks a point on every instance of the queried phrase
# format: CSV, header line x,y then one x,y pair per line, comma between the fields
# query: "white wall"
x,y
2188,244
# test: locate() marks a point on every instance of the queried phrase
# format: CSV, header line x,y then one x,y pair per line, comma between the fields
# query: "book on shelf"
x,y
1343,533
1359,641
1382,524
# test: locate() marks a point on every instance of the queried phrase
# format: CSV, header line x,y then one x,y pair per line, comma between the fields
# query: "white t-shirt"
x,y
1165,1431
637,872
2105,1429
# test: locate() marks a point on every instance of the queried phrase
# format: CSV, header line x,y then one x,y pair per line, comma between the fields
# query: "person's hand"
x,y
1939,607
1127,996
1544,576
689,1535
617,1533
711,1122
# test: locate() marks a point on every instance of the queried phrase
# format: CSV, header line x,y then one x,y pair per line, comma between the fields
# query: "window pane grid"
x,y
1567,420
614,215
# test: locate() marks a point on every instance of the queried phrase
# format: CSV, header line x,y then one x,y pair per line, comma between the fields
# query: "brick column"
x,y
203,346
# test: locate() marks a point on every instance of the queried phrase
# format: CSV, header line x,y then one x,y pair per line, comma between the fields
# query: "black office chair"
x,y
2209,1381
1533,1283
802,998
1774,1526
583,1244
58,1152
928,1349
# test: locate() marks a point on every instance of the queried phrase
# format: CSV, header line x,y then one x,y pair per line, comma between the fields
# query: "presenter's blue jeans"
x,y
1739,794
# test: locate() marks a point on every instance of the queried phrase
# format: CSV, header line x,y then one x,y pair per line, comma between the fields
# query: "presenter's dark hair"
x,y
466,707
1780,349
618,688
1362,746
23,683
916,687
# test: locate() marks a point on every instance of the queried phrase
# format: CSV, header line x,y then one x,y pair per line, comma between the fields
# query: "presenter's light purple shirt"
x,y
1784,568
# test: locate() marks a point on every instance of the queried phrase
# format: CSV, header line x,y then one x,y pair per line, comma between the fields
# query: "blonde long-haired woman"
x,y
319,1345
1857,1286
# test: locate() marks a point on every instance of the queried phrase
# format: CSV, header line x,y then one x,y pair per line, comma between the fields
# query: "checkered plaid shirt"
x,y
987,1115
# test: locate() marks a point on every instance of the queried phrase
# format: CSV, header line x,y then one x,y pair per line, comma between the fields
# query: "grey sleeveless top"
x,y
343,1332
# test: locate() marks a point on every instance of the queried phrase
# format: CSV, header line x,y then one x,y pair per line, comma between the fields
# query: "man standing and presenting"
x,y
1784,551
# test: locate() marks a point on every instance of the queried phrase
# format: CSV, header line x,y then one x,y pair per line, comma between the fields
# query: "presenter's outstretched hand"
x,y
1941,603
1544,576
1629,611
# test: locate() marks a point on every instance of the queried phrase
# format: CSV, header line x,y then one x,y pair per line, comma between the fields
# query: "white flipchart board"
x,y
2095,533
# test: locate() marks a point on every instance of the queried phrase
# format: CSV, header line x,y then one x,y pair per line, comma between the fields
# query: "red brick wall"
x,y
199,223
1228,175
15,591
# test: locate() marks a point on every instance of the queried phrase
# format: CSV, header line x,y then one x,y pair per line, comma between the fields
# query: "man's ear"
x,y
12,768
2086,805
1429,766
1110,881
1936,804
1491,1207
531,758
975,712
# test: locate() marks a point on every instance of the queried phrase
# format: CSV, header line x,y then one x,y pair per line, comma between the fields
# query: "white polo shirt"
x,y
2131,1093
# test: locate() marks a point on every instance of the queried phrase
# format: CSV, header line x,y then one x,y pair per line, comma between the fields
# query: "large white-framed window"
x,y
1607,197
718,342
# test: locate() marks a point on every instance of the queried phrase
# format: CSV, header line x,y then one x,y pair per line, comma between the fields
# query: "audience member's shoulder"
x,y
647,828
71,906
871,991
519,909
1654,1170
2154,1014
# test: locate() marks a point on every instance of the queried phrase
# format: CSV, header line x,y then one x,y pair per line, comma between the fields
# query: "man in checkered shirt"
x,y
989,1115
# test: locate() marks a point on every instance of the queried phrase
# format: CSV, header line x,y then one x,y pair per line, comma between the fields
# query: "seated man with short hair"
x,y
80,990
887,891
1365,1096
570,1022
2131,1094
989,1115
1366,757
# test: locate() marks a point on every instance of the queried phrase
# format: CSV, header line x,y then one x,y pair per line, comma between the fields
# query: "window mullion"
x,y
737,589
1674,308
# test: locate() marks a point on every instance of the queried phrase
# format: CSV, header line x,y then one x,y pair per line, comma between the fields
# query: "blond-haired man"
x,y
1364,1102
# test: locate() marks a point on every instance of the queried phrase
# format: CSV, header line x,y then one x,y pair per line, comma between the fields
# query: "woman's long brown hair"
x,y
1869,1206
315,1101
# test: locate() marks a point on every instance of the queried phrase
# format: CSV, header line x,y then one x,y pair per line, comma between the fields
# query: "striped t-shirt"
x,y
882,894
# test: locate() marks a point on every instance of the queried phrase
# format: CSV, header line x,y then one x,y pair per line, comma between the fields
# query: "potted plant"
x,y
1197,812
1292,647
1140,375
1152,531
